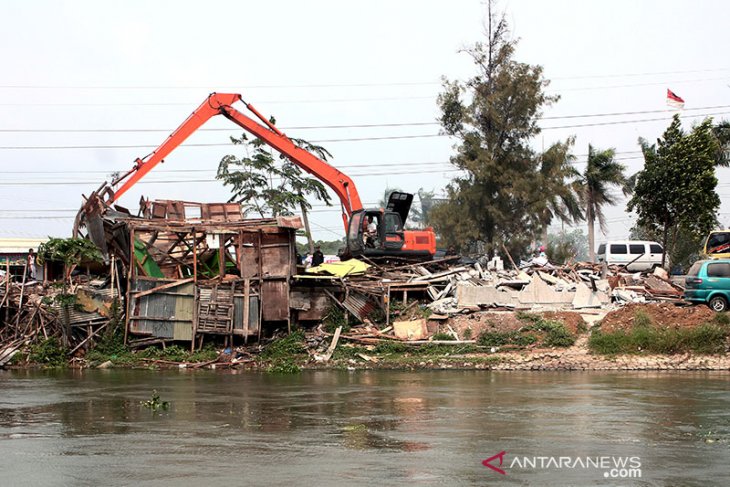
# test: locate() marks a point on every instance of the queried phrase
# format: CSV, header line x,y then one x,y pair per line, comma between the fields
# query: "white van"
x,y
640,255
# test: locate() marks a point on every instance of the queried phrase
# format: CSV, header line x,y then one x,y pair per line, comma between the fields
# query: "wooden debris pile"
x,y
30,313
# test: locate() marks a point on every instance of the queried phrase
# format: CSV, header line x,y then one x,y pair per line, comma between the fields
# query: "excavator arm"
x,y
221,104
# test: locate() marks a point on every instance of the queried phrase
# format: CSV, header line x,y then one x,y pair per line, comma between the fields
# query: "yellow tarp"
x,y
340,269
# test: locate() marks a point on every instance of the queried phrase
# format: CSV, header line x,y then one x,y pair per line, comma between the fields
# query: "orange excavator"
x,y
375,233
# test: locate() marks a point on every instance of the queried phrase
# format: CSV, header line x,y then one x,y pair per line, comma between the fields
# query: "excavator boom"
x,y
388,239
221,104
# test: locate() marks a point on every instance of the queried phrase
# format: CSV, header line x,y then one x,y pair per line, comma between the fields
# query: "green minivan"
x,y
708,282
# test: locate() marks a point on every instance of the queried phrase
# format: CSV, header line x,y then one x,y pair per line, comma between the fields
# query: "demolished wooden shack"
x,y
197,269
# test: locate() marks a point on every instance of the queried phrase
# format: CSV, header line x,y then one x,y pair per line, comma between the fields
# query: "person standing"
x,y
31,271
317,257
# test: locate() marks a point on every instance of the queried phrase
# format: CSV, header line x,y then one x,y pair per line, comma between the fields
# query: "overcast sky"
x,y
119,76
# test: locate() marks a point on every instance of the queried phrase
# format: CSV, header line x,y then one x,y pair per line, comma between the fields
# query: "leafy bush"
x,y
335,318
559,337
556,335
443,336
48,352
290,345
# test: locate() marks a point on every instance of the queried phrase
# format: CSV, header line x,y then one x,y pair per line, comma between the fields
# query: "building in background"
x,y
13,255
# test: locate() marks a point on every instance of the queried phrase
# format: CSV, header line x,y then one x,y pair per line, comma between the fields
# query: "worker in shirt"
x,y
31,271
371,233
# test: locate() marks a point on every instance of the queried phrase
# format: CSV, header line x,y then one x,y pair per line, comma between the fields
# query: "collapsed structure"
x,y
197,269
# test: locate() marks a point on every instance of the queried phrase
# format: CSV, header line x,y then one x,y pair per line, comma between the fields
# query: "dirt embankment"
x,y
508,321
661,315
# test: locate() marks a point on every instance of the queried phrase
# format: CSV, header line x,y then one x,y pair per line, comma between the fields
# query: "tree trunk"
x,y
664,243
306,228
591,236
545,237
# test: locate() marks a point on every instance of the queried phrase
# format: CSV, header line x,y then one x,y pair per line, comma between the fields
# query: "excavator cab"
x,y
375,233
380,233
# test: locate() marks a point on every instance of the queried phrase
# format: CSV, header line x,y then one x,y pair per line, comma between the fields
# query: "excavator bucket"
x,y
90,218
400,203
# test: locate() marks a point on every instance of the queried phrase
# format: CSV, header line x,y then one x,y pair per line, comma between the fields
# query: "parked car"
x,y
717,245
636,255
708,282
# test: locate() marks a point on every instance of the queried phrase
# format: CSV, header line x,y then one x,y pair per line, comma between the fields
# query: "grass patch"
x,y
443,336
392,348
641,319
721,319
290,345
498,339
707,338
528,317
285,354
556,335
344,352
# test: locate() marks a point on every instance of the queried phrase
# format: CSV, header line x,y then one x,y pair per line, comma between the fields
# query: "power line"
x,y
352,100
629,75
178,181
353,139
633,85
329,85
349,126
268,102
620,122
227,144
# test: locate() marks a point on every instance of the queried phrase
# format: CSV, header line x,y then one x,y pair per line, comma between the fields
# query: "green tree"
x,y
676,189
267,186
426,199
601,175
71,252
683,252
494,116
721,131
565,247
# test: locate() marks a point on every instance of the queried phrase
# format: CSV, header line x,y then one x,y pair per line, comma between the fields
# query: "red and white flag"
x,y
673,100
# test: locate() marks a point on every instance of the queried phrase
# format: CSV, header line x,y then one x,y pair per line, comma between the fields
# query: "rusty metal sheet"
x,y
275,300
289,222
359,304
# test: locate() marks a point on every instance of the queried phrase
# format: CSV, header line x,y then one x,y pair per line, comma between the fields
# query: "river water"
x,y
363,428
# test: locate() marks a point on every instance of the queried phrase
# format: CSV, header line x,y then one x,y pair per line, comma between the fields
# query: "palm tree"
x,y
559,187
601,173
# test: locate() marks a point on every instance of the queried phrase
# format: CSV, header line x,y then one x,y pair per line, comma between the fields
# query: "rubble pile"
x,y
31,312
454,287
451,287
